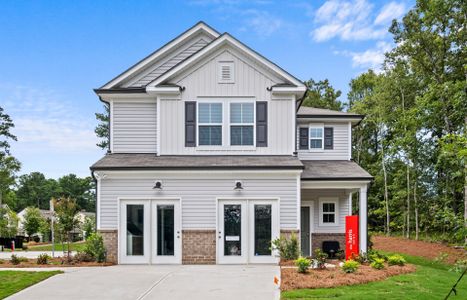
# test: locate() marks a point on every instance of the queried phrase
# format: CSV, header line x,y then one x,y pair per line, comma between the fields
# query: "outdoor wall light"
x,y
157,185
238,185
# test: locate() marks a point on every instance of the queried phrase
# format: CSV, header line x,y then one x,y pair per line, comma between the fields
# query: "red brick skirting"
x,y
198,247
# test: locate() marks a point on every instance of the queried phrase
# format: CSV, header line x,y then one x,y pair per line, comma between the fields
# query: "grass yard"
x,y
78,246
14,281
432,280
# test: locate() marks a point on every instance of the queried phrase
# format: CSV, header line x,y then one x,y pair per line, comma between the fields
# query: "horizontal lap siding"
x,y
314,195
198,197
134,127
340,149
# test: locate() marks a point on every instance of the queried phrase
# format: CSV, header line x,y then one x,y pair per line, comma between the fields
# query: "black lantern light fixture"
x,y
157,185
238,185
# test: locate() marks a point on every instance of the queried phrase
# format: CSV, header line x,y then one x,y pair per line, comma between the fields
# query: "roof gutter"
x,y
197,168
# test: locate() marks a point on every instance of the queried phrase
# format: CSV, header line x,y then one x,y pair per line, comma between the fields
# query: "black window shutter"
x,y
261,124
328,138
303,137
190,124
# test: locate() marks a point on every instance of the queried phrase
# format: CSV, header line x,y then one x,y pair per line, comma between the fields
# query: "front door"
x,y
263,229
232,232
305,230
134,232
166,235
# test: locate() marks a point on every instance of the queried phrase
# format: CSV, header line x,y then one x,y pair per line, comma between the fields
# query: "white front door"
x,y
245,231
134,232
232,232
166,233
150,232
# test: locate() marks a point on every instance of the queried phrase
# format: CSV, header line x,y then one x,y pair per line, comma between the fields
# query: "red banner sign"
x,y
351,236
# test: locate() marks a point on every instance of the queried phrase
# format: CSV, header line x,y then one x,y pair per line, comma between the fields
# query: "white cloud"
x,y
370,58
46,121
389,12
353,20
262,22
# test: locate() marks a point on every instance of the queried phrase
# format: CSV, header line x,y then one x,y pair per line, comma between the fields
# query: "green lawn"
x,y
14,281
432,280
78,246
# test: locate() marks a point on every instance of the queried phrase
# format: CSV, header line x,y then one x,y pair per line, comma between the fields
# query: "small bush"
x,y
16,260
350,266
396,259
25,247
340,254
288,248
43,259
82,256
373,254
2,261
321,258
95,247
303,264
378,264
459,266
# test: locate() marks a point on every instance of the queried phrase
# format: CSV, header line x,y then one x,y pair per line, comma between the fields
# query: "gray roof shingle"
x,y
151,161
313,111
333,170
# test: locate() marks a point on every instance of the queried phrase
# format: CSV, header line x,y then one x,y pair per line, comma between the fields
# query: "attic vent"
x,y
226,72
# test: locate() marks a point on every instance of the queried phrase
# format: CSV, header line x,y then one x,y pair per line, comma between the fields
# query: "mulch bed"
x,y
52,263
333,277
418,248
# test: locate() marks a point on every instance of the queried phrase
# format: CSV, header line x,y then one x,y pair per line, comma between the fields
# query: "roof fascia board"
x,y
161,51
195,168
299,90
157,90
221,40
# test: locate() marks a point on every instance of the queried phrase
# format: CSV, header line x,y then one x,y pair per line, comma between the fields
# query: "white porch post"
x,y
363,226
350,204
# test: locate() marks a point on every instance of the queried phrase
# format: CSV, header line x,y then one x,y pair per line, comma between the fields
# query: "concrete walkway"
x,y
31,254
159,282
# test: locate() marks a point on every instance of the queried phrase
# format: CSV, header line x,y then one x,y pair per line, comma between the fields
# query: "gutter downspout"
x,y
110,112
300,101
96,183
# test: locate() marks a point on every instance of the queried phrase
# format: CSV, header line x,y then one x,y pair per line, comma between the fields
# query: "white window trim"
x,y
208,147
334,200
318,126
230,124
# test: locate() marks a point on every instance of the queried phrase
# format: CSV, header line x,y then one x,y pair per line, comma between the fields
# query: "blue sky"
x,y
53,53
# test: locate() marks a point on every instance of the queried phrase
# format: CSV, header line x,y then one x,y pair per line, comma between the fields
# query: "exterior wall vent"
x,y
226,73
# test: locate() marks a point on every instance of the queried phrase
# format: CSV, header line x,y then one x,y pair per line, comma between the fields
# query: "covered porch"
x,y
327,192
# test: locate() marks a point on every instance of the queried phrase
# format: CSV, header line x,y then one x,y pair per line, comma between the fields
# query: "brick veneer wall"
x,y
317,239
198,247
111,244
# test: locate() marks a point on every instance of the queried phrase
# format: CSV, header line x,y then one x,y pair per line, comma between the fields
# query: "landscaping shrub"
x,y
350,266
43,259
288,248
378,264
373,254
340,254
303,264
25,247
396,259
321,258
2,261
459,266
16,260
82,256
95,247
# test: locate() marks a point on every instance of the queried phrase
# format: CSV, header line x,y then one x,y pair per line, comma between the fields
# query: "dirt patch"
x,y
328,278
52,263
418,248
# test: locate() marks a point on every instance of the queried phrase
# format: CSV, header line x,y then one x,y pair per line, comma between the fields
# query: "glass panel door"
x,y
134,232
263,229
165,229
166,235
135,229
232,232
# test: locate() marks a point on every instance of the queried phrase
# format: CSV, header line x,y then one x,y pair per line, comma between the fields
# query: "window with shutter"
x,y
328,138
210,124
303,139
241,123
190,124
261,124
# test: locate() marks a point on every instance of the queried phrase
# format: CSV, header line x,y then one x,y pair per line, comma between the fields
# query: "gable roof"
x,y
197,28
194,53
333,170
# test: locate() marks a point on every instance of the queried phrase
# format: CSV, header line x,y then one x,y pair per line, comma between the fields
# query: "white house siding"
x,y
198,192
170,60
341,143
201,82
343,209
134,126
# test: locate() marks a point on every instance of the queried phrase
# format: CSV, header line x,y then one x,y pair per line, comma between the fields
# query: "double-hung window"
x,y
242,123
328,211
210,124
316,137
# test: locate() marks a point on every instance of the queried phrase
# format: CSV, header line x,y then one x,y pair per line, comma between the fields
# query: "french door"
x,y
245,231
150,232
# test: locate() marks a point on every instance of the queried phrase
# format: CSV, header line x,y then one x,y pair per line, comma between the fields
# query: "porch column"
x,y
363,216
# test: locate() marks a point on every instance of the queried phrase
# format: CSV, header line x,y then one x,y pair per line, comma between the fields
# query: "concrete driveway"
x,y
159,282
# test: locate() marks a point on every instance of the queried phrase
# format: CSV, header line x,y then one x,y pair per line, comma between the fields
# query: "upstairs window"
x,y
210,124
316,137
242,123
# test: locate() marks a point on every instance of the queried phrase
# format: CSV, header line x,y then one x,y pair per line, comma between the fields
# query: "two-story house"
x,y
212,156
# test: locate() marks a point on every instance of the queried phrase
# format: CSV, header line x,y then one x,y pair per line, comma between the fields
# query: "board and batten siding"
x,y
201,83
134,127
343,209
341,141
198,195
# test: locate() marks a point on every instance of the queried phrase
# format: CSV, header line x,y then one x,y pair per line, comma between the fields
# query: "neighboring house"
x,y
211,157
46,214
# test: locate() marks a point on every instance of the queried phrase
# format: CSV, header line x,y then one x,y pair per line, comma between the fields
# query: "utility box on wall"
x,y
351,237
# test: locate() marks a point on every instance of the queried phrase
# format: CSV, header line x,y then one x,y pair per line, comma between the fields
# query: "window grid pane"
x,y
241,135
241,113
316,132
210,135
316,144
